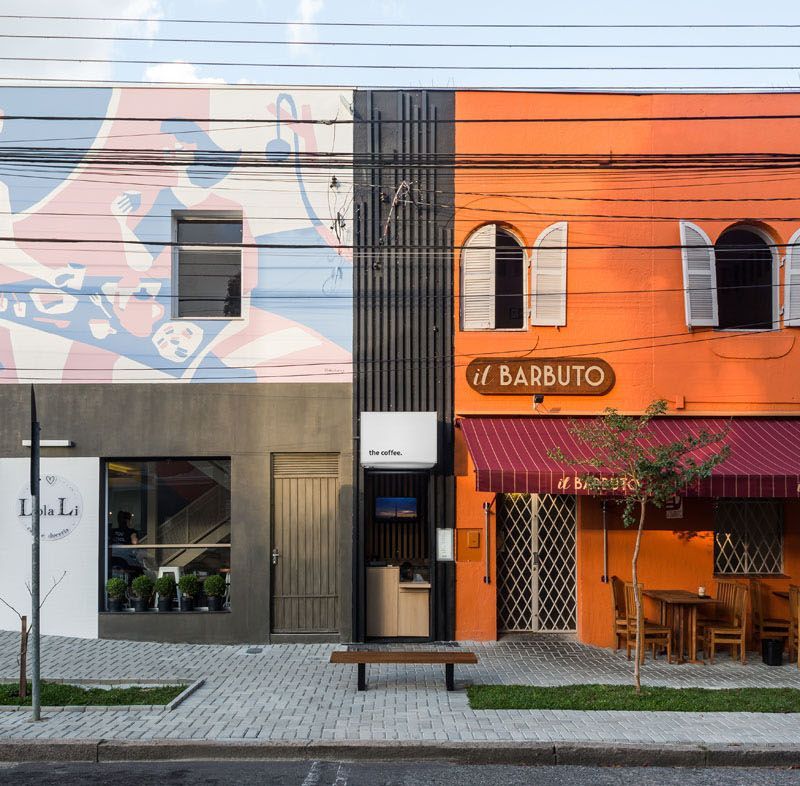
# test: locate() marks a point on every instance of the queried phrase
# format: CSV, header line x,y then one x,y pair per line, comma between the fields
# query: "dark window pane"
x,y
509,300
744,281
209,283
211,231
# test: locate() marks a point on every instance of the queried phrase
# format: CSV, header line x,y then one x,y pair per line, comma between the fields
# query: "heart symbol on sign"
x,y
51,479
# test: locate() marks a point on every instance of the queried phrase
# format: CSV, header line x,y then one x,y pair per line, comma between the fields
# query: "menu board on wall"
x,y
69,507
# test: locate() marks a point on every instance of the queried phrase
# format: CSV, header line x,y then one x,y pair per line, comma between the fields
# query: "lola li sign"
x,y
552,376
60,507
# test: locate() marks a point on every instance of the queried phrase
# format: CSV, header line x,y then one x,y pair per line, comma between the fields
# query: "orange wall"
x,y
698,370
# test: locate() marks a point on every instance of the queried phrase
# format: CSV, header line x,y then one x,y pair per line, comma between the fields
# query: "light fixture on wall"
x,y
50,443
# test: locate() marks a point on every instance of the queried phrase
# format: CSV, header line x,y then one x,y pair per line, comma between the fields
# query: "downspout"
x,y
487,508
604,577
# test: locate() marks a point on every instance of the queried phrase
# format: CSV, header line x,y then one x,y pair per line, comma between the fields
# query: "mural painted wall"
x,y
87,211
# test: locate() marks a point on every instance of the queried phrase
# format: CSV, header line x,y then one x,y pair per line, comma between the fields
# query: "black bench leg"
x,y
448,676
362,676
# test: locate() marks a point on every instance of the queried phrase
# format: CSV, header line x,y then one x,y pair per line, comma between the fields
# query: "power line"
x,y
405,44
453,25
93,84
397,66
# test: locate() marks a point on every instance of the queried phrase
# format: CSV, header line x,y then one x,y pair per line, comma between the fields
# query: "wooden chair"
x,y
794,609
765,627
733,634
721,611
620,618
652,634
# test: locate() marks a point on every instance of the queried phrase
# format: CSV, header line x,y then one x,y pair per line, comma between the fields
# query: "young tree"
x,y
624,457
25,630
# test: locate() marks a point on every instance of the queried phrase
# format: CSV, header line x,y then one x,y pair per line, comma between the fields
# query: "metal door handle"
x,y
275,555
536,560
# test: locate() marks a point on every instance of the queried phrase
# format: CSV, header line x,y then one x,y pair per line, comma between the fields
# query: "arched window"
x,y
732,284
744,280
493,281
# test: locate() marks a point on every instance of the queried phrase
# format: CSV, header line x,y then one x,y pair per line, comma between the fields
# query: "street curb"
x,y
517,753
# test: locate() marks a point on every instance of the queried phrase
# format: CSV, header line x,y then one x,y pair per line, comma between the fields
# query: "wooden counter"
x,y
396,608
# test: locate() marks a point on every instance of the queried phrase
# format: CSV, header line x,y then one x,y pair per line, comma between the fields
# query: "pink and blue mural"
x,y
87,212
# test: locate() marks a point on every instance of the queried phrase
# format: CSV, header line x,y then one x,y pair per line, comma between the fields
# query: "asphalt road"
x,y
310,773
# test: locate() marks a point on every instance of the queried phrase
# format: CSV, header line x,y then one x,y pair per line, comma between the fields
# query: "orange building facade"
x,y
647,237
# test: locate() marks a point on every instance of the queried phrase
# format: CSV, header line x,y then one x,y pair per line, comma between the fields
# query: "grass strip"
x,y
58,695
623,697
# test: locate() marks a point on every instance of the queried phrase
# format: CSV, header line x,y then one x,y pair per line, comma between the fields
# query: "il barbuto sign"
x,y
548,376
60,507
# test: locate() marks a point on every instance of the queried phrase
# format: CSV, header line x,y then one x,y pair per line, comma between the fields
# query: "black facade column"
x,y
403,147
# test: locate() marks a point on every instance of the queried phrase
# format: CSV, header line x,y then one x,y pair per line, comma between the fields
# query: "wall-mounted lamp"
x,y
50,443
538,398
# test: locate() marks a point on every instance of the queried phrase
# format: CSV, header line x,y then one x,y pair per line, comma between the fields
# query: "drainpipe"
x,y
487,507
604,577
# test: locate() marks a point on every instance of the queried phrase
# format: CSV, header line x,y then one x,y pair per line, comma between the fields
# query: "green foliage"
x,y
189,584
620,697
165,586
214,586
56,695
116,588
624,458
142,587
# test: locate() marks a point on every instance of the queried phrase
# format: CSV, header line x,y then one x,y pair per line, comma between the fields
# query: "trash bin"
x,y
772,652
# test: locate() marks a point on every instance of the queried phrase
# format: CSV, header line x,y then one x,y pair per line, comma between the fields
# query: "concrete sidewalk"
x,y
288,696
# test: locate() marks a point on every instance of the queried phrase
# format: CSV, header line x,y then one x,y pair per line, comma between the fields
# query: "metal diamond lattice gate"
x,y
536,563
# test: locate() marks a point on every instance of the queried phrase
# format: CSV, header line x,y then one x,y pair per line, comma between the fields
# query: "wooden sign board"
x,y
548,376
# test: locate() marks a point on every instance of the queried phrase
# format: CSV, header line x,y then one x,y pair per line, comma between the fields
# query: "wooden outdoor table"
x,y
680,607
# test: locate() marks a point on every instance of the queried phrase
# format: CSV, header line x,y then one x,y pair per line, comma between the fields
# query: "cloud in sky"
x,y
307,11
177,71
149,10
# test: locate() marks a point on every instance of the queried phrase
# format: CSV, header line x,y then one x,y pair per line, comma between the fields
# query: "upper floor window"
x,y
209,265
731,285
494,280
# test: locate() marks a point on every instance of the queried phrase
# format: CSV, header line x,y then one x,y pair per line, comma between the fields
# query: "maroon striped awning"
x,y
510,454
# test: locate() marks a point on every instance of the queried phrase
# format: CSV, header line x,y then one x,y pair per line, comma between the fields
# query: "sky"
x,y
300,56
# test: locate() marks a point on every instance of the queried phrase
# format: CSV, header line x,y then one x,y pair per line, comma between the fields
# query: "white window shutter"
x,y
477,280
550,277
699,277
791,301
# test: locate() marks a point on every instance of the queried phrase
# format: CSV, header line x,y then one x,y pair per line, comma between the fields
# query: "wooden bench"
x,y
362,657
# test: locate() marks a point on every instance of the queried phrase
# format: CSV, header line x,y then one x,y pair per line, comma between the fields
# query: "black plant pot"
x,y
165,604
115,604
187,603
214,603
141,604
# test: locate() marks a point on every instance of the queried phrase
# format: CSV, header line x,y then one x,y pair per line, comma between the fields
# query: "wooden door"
x,y
305,576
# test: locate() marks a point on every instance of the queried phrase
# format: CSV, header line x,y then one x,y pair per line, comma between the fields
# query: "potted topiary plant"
x,y
165,588
115,589
189,585
142,587
214,587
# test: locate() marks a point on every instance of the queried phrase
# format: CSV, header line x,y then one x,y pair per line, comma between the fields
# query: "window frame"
x,y
222,216
526,275
777,321
746,549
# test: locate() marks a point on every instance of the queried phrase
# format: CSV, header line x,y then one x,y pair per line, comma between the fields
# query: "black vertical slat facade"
x,y
403,298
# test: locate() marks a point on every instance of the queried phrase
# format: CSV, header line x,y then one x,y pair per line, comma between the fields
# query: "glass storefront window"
x,y
168,515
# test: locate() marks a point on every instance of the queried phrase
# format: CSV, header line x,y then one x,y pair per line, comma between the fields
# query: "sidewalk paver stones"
x,y
290,693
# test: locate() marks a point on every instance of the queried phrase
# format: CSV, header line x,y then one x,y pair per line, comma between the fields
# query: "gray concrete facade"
x,y
247,423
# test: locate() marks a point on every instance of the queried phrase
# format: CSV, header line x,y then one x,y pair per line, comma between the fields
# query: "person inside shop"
x,y
124,534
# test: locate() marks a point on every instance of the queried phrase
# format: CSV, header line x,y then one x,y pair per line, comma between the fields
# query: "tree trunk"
x,y
23,658
637,594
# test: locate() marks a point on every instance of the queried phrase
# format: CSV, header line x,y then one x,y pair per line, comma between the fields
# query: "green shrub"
x,y
165,586
142,587
116,588
189,584
214,586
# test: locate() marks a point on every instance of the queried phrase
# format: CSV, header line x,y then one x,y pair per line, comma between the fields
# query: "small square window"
x,y
209,267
